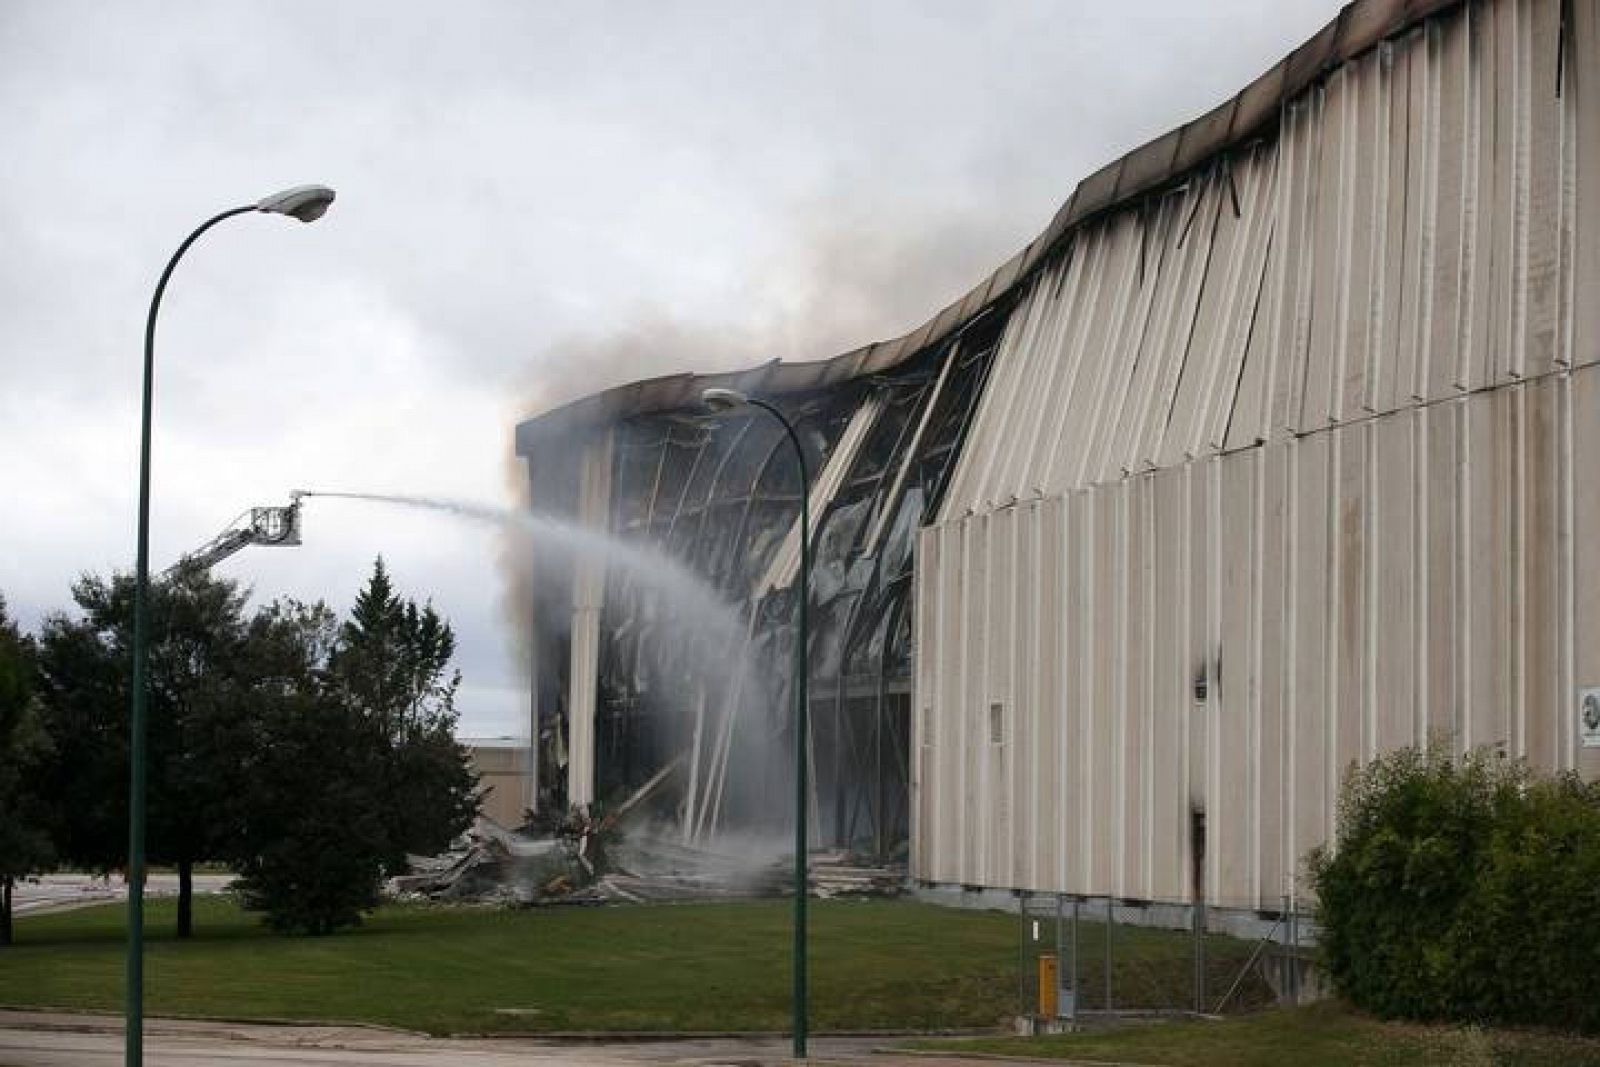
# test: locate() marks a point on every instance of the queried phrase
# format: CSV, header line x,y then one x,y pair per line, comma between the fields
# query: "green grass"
x,y
446,970
1323,1035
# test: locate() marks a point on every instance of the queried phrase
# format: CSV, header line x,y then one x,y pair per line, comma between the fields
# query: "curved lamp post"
x,y
720,400
306,203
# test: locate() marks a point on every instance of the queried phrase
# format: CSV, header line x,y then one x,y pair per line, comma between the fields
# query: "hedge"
x,y
1464,888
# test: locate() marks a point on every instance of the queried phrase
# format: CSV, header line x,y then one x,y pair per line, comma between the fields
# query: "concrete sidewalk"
x,y
60,892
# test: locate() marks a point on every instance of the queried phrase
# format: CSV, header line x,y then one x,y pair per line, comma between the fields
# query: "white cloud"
x,y
517,183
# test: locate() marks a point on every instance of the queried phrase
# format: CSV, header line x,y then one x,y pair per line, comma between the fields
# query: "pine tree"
x,y
392,662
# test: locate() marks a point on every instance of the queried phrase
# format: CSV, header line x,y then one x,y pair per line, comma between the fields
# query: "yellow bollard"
x,y
1048,986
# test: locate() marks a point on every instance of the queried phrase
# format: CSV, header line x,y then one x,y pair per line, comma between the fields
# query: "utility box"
x,y
1049,986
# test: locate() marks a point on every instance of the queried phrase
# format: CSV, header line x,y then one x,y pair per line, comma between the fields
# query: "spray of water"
x,y
712,638
712,620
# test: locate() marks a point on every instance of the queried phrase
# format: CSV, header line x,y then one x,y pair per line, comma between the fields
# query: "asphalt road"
x,y
38,1039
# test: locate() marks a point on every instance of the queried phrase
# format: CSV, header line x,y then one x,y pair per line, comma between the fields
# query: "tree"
x,y
25,845
353,761
197,700
392,664
1463,888
309,834
83,689
311,756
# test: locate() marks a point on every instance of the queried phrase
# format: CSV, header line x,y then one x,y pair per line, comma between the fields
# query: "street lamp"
x,y
720,400
306,203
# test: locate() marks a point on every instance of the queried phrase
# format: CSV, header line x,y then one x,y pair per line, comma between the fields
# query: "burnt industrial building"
x,y
1272,452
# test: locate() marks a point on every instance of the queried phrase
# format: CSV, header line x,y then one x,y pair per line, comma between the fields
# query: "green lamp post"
x,y
306,203
720,400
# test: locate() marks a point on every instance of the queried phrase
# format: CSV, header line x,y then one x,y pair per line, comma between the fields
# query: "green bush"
x,y
1464,888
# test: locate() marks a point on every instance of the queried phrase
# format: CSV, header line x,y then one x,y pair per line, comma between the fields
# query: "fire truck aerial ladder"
x,y
277,527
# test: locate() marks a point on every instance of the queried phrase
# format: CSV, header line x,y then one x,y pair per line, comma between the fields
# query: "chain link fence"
x,y
1085,958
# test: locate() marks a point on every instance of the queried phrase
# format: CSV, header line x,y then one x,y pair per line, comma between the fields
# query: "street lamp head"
x,y
720,400
305,202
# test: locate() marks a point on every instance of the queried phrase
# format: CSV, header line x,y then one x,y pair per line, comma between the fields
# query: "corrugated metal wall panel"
x,y
1023,710
1050,799
1339,221
1268,671
1582,636
1541,645
1182,276
1168,757
1163,265
1230,818
1314,763
1390,700
1216,346
948,786
1581,174
1295,488
968,735
1133,636
1104,459
1000,730
922,820
1410,233
1233,633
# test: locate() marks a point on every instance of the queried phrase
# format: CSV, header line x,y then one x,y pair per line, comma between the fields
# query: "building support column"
x,y
588,598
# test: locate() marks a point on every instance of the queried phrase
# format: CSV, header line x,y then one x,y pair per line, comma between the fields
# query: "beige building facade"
x,y
505,777
1282,462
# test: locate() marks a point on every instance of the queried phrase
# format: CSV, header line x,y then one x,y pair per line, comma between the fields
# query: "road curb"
x,y
88,1020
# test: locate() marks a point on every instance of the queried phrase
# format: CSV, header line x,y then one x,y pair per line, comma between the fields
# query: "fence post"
x,y
1286,969
1024,1009
1111,920
1061,959
1075,903
1294,954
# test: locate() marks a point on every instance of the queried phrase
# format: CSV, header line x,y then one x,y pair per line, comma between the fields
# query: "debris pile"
x,y
585,857
843,874
489,864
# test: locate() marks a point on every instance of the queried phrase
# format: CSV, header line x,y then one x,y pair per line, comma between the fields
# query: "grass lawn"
x,y
891,965
1323,1035
721,966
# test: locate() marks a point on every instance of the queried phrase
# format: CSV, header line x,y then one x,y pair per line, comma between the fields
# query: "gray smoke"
x,y
854,272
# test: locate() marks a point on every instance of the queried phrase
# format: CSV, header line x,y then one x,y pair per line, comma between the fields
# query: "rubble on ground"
x,y
619,857
843,874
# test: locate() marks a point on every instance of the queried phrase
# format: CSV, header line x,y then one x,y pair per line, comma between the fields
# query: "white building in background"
x,y
504,766
1276,450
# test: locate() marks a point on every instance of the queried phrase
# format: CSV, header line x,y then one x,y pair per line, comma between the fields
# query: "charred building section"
x,y
721,495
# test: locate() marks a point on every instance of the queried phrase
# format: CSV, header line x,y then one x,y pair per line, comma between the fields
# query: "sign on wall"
x,y
1589,717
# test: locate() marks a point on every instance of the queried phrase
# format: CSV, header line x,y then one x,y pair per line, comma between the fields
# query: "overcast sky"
x,y
536,200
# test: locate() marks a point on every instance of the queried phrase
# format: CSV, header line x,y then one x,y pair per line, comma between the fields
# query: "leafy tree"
x,y
1464,888
25,845
311,756
196,703
83,688
309,833
392,664
353,761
